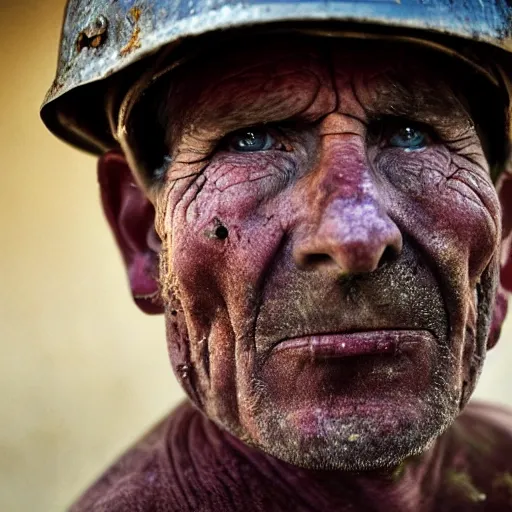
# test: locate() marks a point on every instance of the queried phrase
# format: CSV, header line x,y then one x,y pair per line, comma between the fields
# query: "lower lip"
x,y
356,344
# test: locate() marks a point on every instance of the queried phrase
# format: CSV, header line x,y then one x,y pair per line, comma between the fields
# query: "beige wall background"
x,y
82,372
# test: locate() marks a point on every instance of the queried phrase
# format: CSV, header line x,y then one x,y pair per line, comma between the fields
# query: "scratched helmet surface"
x,y
102,38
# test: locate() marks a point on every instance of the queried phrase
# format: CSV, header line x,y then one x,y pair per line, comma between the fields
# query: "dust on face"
x,y
320,193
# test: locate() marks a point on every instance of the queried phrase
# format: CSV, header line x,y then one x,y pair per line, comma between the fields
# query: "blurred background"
x,y
82,372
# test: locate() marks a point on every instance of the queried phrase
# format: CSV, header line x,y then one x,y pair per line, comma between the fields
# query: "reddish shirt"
x,y
189,464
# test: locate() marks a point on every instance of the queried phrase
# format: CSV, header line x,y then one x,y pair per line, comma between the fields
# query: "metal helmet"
x,y
102,38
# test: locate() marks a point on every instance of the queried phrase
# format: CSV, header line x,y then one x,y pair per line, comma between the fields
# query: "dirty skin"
x,y
330,251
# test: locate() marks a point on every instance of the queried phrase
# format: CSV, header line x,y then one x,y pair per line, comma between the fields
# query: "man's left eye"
x,y
250,140
409,138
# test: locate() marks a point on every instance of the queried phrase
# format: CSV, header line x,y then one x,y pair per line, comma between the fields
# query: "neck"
x,y
410,486
401,488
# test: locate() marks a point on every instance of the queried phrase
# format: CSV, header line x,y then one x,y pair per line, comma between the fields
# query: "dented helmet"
x,y
103,39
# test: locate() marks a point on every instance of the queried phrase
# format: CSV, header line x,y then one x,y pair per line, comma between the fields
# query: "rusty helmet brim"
x,y
101,40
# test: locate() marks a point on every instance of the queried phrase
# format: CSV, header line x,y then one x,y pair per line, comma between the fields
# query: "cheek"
x,y
450,204
215,279
230,220
449,208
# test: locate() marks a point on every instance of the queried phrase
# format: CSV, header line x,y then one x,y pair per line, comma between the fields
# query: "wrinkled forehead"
x,y
268,79
312,62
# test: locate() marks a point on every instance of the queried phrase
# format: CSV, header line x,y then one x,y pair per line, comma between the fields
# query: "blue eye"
x,y
409,138
251,140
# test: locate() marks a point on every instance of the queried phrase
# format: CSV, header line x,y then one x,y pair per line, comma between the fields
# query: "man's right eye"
x,y
250,140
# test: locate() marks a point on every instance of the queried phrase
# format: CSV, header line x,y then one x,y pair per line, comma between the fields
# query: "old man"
x,y
322,213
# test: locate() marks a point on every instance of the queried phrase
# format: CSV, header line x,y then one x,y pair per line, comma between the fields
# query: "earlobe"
x,y
131,217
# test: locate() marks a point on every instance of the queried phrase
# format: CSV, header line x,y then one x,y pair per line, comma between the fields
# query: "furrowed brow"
x,y
251,100
422,102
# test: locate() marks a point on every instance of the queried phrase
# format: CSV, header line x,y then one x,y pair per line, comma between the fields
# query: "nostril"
x,y
389,255
315,260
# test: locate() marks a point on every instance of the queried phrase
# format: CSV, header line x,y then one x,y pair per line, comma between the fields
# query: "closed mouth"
x,y
338,345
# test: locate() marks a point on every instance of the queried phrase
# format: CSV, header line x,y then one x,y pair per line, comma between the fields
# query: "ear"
x,y
505,192
505,287
131,217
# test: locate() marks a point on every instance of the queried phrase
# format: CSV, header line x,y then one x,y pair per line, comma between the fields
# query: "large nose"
x,y
351,236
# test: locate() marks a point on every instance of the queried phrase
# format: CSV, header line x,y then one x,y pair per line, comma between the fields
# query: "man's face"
x,y
330,235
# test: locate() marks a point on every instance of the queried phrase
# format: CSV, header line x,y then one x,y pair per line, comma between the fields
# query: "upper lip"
x,y
399,297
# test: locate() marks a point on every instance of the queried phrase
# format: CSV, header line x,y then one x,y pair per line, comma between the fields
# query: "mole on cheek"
x,y
219,231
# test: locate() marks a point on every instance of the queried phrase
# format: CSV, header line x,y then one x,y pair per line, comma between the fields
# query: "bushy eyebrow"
x,y
233,105
433,101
